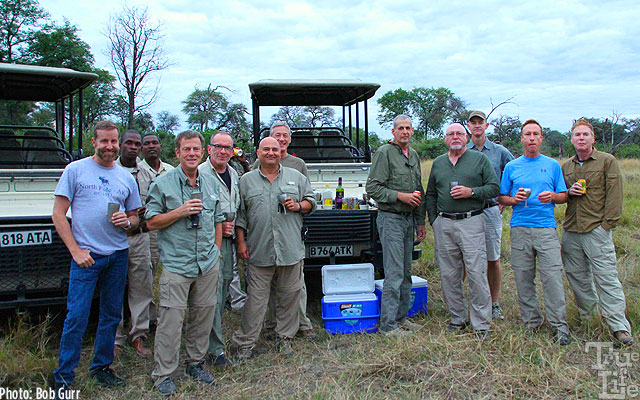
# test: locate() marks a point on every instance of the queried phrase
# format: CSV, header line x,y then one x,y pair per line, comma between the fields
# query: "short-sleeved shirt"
x,y
290,162
273,237
142,176
538,174
90,188
186,250
497,154
164,167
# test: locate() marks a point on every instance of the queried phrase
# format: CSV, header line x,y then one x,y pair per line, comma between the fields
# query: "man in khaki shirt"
x,y
269,237
587,246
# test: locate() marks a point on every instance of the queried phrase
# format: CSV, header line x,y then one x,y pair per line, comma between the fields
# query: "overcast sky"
x,y
560,59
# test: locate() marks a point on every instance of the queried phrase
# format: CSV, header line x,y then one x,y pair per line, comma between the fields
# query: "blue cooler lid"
x,y
347,278
344,298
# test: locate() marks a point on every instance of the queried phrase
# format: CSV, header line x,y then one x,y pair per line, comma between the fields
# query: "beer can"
x,y
583,183
238,152
418,193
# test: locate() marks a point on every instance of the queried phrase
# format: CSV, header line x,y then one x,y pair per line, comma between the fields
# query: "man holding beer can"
x,y
594,209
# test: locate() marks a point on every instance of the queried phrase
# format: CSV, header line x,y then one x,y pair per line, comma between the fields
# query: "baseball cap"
x,y
479,114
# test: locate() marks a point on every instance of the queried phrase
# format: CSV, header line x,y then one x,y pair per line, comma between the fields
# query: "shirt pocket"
x,y
290,191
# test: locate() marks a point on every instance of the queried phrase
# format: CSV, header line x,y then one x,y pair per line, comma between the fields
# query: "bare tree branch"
x,y
493,108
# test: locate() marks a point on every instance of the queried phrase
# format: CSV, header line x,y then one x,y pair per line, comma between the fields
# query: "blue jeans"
x,y
109,273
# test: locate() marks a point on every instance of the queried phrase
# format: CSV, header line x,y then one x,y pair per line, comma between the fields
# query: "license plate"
x,y
325,251
25,238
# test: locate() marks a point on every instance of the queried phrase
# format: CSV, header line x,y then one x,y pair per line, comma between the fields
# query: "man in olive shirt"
x,y
587,246
217,165
459,183
281,132
268,236
395,183
184,207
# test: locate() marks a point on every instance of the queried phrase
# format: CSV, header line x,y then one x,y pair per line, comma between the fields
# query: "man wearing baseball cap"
x,y
499,157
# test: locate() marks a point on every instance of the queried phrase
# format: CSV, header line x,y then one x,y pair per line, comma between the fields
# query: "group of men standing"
x,y
467,190
198,215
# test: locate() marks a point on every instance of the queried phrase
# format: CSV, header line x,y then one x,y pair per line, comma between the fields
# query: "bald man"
x,y
459,183
268,237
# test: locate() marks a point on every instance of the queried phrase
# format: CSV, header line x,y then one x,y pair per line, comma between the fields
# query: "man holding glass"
x,y
459,183
532,184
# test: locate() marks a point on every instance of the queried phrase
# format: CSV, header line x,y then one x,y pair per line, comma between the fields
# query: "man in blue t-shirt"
x,y
532,184
104,199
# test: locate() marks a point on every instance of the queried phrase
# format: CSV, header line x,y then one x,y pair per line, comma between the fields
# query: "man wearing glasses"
x,y
281,132
184,206
220,152
459,184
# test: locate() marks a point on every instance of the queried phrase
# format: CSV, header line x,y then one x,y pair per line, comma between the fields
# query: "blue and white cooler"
x,y
419,295
349,304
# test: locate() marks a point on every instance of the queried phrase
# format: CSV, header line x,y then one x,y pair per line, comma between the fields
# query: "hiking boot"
x,y
397,333
138,346
457,327
199,374
624,338
496,312
562,338
220,361
106,377
243,355
269,334
409,326
308,334
283,345
167,387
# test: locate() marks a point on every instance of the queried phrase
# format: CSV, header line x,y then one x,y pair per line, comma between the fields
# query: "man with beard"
x,y
140,275
459,184
97,190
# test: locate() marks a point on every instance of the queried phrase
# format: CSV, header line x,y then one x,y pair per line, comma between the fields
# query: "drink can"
x,y
418,193
238,152
583,183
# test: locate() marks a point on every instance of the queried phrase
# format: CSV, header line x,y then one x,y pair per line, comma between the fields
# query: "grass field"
x,y
431,364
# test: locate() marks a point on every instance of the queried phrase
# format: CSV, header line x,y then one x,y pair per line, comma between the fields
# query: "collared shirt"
x,y
473,170
392,172
143,178
183,249
229,199
273,237
602,204
497,154
164,167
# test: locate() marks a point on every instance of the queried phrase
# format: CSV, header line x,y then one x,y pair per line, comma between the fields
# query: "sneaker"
x,y
409,326
562,338
496,312
283,345
624,338
308,334
457,327
397,333
217,361
106,377
483,334
199,374
167,387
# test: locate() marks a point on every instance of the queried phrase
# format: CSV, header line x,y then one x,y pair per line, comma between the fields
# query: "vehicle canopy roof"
x,y
307,92
36,83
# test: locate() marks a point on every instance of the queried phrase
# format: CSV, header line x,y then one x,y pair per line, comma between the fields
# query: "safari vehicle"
x,y
34,262
333,236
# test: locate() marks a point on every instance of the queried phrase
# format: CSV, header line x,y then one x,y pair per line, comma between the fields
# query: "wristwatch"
x,y
128,226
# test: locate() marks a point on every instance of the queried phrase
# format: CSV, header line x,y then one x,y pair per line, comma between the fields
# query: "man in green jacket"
x,y
395,183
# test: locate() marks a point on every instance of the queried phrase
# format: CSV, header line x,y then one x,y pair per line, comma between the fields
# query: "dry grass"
x,y
431,364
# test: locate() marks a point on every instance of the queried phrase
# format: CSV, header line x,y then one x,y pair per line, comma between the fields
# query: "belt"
x,y
404,214
495,203
460,215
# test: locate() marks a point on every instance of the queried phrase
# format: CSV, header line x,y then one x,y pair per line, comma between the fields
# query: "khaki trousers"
x,y
216,340
176,293
305,322
590,257
527,245
459,246
155,260
288,282
140,292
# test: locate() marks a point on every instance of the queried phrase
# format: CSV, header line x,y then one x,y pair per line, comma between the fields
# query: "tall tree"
x,y
506,128
211,109
20,20
307,116
167,122
136,54
60,46
429,108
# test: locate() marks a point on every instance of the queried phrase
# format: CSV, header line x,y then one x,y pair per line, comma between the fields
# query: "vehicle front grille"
x,y
29,269
340,226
